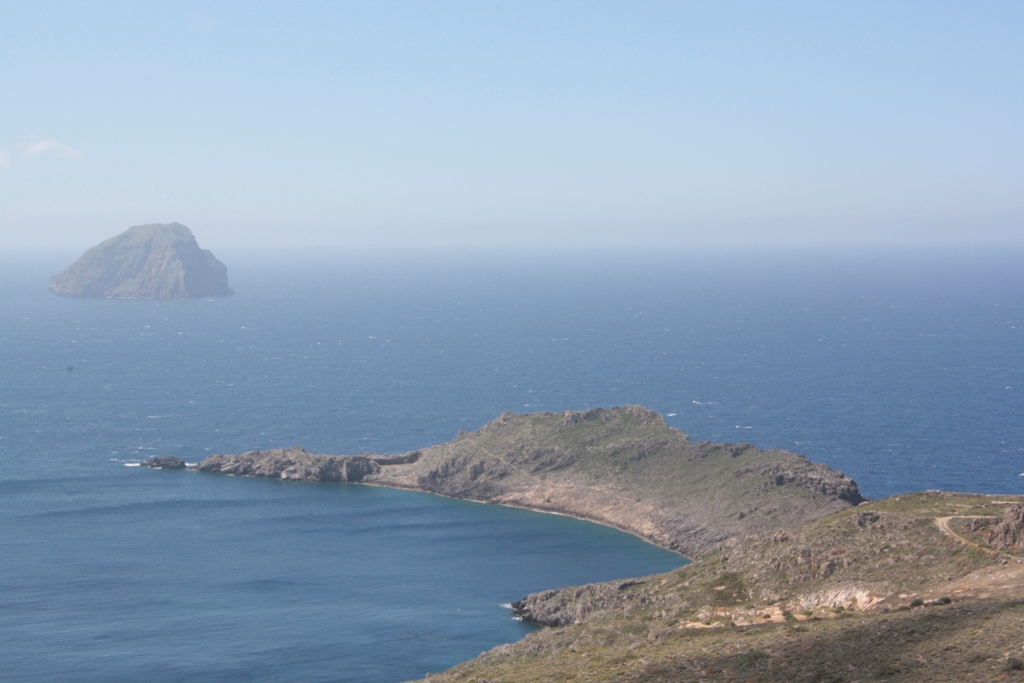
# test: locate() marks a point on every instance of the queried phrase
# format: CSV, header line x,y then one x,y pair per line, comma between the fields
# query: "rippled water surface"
x,y
903,369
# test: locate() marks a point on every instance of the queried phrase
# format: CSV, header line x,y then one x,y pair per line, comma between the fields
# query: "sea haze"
x,y
904,369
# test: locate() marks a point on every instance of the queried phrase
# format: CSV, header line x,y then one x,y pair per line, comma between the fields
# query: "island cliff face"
x,y
622,467
145,262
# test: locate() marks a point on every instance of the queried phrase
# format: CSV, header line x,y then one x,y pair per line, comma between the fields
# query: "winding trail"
x,y
943,524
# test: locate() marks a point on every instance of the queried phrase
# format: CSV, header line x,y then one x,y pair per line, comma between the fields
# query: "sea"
x,y
902,367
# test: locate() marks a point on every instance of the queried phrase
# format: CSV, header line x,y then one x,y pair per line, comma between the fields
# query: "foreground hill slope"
x,y
623,467
153,261
921,587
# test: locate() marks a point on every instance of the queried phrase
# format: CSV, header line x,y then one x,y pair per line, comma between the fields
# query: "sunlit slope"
x,y
623,467
878,592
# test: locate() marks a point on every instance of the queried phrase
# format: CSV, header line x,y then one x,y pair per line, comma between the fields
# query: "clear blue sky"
x,y
329,123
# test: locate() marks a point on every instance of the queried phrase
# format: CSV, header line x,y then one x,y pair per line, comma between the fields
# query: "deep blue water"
x,y
904,369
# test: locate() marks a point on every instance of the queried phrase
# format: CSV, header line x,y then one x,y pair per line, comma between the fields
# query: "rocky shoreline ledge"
x,y
621,467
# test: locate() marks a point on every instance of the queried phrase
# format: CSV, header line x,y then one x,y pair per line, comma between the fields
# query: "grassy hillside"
x,y
623,467
626,468
888,590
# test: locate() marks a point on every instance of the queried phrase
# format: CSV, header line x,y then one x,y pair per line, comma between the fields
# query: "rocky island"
x,y
153,261
795,576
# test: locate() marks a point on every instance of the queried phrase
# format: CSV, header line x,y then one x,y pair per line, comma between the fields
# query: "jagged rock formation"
x,y
146,262
572,605
291,463
1008,531
622,467
164,462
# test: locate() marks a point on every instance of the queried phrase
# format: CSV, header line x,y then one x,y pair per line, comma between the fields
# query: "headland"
x,y
621,467
795,576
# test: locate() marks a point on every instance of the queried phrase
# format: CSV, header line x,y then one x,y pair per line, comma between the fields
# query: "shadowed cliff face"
x,y
146,262
622,467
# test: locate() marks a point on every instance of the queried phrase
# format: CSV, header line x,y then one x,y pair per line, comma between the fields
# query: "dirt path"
x,y
943,524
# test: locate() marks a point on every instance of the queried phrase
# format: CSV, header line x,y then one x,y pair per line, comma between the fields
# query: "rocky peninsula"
x,y
795,577
153,261
622,467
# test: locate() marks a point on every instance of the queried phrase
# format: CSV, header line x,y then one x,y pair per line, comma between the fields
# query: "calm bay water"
x,y
903,369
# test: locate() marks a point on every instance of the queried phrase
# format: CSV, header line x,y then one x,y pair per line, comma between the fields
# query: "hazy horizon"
x,y
536,125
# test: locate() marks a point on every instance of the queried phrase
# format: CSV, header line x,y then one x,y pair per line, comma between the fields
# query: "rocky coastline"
x,y
795,576
621,467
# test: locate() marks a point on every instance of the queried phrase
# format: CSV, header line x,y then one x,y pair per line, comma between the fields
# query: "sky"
x,y
658,124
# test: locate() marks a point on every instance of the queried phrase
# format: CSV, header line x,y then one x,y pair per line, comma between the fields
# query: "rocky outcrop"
x,y
164,462
293,464
1008,531
573,605
145,262
622,467
816,477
